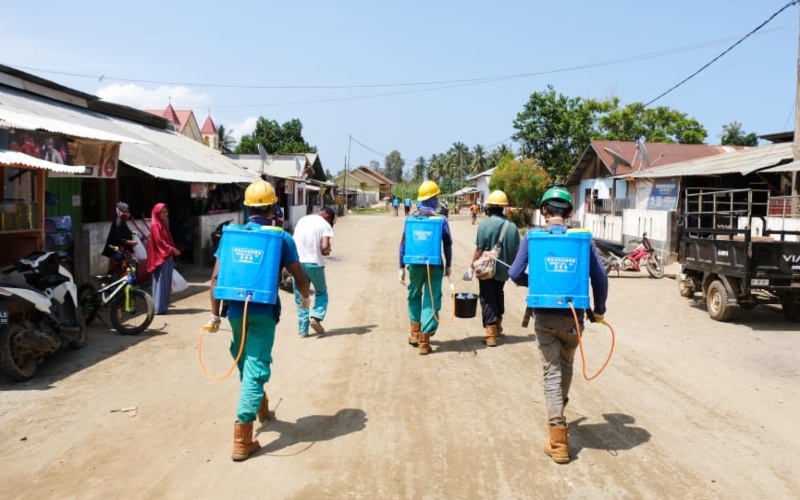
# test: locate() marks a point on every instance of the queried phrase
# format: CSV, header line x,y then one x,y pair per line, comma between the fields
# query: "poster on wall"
x,y
664,195
100,158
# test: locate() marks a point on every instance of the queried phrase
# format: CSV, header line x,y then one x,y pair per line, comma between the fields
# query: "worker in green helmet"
x,y
555,328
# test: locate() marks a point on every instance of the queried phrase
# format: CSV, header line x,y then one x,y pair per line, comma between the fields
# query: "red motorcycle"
x,y
644,255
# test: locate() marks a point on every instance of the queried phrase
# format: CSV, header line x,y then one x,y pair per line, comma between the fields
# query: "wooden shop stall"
x,y
22,184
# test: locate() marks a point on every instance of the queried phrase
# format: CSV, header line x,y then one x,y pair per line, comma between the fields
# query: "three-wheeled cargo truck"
x,y
729,252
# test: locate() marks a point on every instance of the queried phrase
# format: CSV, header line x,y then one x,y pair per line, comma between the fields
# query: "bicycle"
x,y
131,308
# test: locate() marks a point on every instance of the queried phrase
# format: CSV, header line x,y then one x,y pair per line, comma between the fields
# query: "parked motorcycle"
x,y
644,255
443,209
39,314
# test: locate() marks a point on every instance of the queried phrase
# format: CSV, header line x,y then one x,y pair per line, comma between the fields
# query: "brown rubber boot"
x,y
413,337
500,328
557,446
243,443
424,343
263,409
491,336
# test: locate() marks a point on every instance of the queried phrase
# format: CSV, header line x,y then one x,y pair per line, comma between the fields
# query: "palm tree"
x,y
436,168
479,161
225,139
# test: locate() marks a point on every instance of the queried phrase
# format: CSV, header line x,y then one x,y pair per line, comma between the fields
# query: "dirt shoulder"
x,y
687,408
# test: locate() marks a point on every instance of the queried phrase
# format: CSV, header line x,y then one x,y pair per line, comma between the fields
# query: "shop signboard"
x,y
99,157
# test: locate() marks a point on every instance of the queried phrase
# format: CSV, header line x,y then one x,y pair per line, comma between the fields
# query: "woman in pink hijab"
x,y
160,252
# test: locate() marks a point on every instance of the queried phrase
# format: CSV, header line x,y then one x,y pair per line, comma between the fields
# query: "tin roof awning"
x,y
193,176
744,162
159,152
16,159
23,121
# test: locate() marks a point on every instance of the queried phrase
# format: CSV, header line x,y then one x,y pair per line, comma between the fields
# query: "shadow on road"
x,y
473,343
103,343
613,435
351,330
312,429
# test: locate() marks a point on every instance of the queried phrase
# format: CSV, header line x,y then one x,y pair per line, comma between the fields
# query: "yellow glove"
x,y
403,275
213,324
305,302
598,318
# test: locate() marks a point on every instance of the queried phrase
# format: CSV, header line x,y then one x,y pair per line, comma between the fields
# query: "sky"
x,y
366,78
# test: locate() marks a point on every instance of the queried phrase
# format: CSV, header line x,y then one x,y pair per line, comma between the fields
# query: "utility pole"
x,y
347,168
796,145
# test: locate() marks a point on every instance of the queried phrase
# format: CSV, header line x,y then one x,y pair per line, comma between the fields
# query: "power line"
x,y
464,81
793,2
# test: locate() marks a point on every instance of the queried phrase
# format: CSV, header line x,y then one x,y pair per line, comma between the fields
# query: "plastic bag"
x,y
139,250
179,284
484,265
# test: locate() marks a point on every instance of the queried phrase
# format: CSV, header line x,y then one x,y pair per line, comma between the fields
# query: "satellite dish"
x,y
263,152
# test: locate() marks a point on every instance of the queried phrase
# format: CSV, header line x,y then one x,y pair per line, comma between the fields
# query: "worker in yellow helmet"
x,y
262,319
495,230
425,272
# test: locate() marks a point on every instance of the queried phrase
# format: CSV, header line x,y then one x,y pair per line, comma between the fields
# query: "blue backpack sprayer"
x,y
249,270
558,276
423,244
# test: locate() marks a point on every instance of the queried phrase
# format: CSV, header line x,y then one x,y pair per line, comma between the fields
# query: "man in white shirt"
x,y
312,235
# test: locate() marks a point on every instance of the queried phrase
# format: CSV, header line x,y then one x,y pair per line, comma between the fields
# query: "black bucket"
x,y
466,305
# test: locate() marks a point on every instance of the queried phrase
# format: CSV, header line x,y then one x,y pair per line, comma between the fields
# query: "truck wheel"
x,y
717,302
684,289
791,310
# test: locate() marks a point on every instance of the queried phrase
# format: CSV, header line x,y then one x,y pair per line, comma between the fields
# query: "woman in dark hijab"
x,y
121,237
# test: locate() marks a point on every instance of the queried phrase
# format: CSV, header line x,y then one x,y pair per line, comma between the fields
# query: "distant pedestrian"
x,y
396,205
312,235
496,229
425,281
161,252
407,206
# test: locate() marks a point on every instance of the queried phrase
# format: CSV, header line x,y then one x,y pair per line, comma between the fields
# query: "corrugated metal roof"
x,y
745,161
485,173
165,152
787,167
14,119
17,159
624,157
186,176
283,168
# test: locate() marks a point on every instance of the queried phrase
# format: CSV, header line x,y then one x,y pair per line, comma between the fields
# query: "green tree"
x,y
523,181
733,135
436,167
418,173
555,129
479,160
661,124
394,166
278,139
225,139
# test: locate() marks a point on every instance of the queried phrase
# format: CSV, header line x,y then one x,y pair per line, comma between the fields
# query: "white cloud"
x,y
131,94
245,127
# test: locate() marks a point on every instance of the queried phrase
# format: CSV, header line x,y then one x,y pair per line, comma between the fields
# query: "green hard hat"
x,y
557,196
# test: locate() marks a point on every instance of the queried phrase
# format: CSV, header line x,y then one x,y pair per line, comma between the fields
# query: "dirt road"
x,y
688,408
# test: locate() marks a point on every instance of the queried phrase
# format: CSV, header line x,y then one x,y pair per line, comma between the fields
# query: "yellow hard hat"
x,y
427,190
498,198
260,193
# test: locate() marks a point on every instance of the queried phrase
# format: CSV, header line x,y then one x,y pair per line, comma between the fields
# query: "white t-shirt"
x,y
308,234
